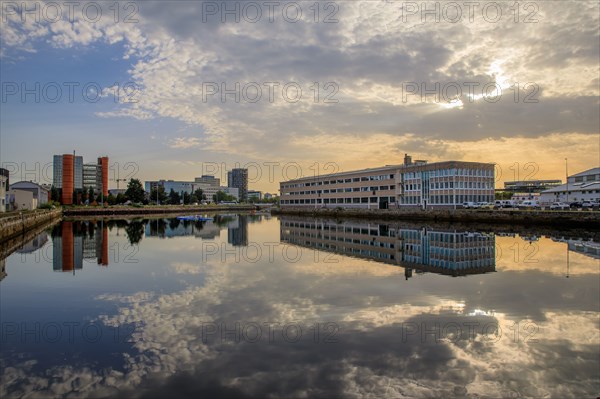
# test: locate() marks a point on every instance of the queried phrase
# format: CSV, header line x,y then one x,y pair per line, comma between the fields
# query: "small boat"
x,y
195,218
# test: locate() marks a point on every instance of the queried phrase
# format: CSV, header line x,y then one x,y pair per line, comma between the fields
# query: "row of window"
x,y
343,190
339,181
357,200
450,172
447,199
336,228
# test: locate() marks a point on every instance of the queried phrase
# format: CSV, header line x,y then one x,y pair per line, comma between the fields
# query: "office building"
x,y
415,184
72,176
238,178
4,185
583,186
209,180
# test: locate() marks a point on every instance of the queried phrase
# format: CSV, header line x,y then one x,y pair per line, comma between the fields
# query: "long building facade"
x,y
417,184
448,252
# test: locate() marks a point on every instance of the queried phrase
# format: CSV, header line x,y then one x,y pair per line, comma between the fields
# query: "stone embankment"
x,y
19,224
153,210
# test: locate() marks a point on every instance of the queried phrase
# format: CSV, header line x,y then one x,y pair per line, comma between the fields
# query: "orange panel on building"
x,y
103,162
68,248
104,246
68,176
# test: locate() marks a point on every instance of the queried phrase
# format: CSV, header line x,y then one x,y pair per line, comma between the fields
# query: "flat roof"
x,y
383,168
592,171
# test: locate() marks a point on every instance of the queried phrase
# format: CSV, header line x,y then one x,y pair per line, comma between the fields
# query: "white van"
x,y
529,204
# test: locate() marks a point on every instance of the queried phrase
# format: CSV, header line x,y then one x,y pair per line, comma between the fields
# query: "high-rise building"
x,y
102,181
90,176
238,178
73,176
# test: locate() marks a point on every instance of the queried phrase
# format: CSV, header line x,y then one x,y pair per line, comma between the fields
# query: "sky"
x,y
177,89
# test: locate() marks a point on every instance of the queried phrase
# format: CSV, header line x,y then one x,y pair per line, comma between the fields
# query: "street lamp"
x,y
567,177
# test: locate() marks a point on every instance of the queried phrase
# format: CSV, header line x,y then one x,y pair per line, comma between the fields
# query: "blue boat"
x,y
195,218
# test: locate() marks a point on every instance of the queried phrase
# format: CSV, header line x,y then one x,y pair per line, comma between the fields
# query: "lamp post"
x,y
567,177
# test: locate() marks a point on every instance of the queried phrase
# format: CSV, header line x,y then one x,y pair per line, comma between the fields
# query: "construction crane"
x,y
118,180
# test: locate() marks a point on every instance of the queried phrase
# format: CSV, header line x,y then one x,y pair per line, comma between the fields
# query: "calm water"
x,y
254,306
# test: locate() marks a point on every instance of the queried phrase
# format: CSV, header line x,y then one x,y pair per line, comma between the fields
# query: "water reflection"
x,y
524,330
72,242
450,252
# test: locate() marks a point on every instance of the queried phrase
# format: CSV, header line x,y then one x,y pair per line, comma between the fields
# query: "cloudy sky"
x,y
346,85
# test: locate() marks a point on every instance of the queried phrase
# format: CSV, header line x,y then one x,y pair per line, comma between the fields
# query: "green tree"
x,y
199,195
135,191
120,198
91,194
111,199
186,198
174,198
193,199
54,194
222,196
162,196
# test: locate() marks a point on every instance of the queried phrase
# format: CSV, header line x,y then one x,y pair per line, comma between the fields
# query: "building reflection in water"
x,y
448,252
72,242
237,233
236,225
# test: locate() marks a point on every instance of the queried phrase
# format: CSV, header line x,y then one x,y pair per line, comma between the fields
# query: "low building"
x,y
40,193
415,184
530,186
181,187
255,195
20,200
520,197
583,186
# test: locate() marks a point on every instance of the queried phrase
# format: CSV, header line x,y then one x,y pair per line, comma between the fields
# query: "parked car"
x,y
561,206
503,204
589,204
468,205
575,204
529,205
485,205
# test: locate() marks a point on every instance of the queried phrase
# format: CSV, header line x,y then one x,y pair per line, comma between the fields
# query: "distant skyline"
x,y
369,61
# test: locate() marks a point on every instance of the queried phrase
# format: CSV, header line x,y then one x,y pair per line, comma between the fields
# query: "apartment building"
x,y
417,184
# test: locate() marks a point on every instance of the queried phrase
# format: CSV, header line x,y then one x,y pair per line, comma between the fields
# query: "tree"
x,y
186,198
199,195
91,194
162,196
135,191
222,196
111,199
54,194
120,198
174,198
193,199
